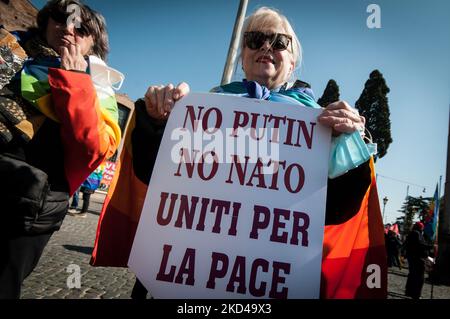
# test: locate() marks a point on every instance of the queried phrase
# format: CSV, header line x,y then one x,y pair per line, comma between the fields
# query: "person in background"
x,y
416,253
56,128
88,188
393,246
270,52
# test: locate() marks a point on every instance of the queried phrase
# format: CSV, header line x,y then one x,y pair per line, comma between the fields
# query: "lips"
x,y
66,40
265,59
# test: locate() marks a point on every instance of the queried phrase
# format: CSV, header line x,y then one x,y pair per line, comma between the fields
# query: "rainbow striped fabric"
x,y
89,127
121,211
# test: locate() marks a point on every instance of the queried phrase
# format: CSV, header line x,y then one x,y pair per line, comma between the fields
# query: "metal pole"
x,y
432,283
433,270
234,44
443,255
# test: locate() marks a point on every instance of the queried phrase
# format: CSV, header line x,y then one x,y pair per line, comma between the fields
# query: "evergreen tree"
x,y
373,105
410,208
330,94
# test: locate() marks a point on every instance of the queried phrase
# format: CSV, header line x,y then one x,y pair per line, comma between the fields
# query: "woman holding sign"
x,y
270,52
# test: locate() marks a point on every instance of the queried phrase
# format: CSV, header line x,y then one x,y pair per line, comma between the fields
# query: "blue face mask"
x,y
348,151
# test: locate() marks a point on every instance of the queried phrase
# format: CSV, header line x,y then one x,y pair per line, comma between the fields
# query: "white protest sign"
x,y
231,211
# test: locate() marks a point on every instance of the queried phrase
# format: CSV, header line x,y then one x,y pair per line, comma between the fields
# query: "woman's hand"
x,y
159,100
342,118
72,59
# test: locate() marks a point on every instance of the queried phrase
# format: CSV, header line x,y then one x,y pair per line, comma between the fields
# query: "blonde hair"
x,y
264,18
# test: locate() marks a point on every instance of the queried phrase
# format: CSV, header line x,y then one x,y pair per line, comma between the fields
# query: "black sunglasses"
x,y
62,18
256,39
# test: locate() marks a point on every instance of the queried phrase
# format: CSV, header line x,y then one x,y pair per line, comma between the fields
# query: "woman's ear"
x,y
292,68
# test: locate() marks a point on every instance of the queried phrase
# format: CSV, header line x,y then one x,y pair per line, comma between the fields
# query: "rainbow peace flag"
x,y
121,211
89,127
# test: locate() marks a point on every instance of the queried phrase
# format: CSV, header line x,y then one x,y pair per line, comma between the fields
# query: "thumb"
x,y
181,90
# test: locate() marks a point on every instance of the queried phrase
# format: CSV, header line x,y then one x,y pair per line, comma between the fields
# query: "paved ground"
x,y
397,281
72,245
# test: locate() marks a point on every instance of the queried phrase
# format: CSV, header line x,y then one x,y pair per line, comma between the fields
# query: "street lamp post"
x,y
385,200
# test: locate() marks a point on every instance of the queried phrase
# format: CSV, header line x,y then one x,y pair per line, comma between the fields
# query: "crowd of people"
x,y
57,128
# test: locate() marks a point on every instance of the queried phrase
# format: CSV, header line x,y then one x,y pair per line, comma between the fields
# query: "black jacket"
x,y
34,192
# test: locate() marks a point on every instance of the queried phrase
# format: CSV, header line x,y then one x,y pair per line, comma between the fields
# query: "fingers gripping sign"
x,y
159,100
168,99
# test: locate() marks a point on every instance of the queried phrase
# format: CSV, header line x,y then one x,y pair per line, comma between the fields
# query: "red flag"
x,y
354,262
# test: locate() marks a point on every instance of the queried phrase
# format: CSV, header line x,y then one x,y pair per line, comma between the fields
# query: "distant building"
x,y
17,14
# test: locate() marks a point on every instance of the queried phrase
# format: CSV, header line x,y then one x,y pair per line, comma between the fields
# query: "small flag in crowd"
x,y
393,228
432,218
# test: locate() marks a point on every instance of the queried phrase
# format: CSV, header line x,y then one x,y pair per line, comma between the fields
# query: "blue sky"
x,y
160,42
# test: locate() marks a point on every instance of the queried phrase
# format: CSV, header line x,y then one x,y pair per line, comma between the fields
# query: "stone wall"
x,y
17,14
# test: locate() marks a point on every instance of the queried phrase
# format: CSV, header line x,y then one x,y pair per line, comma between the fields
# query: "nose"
x,y
266,46
68,28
